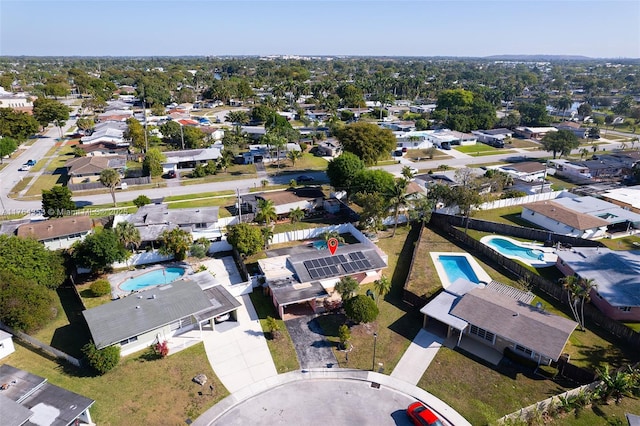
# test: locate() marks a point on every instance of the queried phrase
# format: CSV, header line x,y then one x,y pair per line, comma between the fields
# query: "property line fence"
x,y
97,185
42,346
591,314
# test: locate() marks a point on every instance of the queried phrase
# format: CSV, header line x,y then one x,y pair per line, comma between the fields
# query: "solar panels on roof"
x,y
326,267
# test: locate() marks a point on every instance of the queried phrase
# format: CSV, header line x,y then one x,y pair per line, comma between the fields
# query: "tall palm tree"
x,y
294,155
572,286
110,178
586,285
397,200
267,235
296,215
128,235
266,211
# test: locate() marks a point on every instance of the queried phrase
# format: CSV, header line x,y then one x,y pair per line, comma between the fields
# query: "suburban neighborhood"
x,y
219,240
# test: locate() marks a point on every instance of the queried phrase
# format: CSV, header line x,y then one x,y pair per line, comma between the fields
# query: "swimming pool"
x,y
458,267
525,252
322,245
157,277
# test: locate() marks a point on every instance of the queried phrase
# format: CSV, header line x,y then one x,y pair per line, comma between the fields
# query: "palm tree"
x,y
332,234
572,286
397,200
110,178
586,285
266,211
294,155
128,235
267,235
382,287
616,385
296,215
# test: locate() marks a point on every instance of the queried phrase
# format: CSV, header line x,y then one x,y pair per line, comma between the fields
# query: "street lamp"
x,y
375,340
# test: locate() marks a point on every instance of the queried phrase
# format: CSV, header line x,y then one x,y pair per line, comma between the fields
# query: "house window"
x,y
524,350
482,333
625,308
129,340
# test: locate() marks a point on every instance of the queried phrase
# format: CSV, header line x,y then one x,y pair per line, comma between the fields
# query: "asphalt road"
x,y
322,402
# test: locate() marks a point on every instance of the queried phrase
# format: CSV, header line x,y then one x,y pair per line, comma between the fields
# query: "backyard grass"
x,y
307,163
207,202
289,227
139,390
397,323
477,148
88,298
282,349
508,215
558,184
482,393
631,242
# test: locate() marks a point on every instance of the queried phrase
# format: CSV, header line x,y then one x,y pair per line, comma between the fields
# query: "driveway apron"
x,y
312,348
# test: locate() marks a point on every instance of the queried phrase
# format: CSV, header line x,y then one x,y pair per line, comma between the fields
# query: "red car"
x,y
422,416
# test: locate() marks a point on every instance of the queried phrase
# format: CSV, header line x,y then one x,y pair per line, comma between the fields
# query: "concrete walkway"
x,y
238,351
417,357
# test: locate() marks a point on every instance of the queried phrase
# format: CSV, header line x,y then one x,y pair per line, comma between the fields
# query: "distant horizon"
x,y
595,29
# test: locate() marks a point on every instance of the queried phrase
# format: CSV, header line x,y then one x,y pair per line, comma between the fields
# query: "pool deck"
x,y
477,269
549,253
120,277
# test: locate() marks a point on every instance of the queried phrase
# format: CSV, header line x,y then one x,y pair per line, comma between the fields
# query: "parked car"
x,y
31,163
420,415
24,168
304,178
171,174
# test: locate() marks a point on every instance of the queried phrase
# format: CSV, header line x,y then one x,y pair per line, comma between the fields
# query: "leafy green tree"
x,y
382,287
623,107
274,140
367,141
562,141
47,111
56,202
225,161
99,250
563,103
86,124
27,258
245,238
111,179
533,114
346,287
101,360
24,305
266,211
135,133
296,215
237,117
343,169
369,181
261,113
175,242
141,200
584,109
294,155
593,133
374,208
361,309
17,124
7,147
152,164
193,137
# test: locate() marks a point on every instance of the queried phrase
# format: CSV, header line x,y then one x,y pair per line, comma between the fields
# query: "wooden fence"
x,y
97,185
38,344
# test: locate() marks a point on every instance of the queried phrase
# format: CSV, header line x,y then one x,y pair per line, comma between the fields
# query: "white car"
x,y
24,168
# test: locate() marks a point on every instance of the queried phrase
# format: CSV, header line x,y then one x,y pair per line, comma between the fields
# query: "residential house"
x,y
562,220
16,101
307,279
570,169
6,344
493,137
580,132
422,109
27,399
628,198
399,126
60,233
307,199
190,158
317,115
105,135
155,315
615,274
118,105
104,149
528,171
153,219
621,221
114,115
88,169
500,317
259,153
329,148
533,132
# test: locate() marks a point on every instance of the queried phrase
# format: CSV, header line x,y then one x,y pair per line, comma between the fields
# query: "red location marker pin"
x,y
332,243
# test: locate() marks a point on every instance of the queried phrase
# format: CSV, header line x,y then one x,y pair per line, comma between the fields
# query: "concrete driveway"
x,y
312,347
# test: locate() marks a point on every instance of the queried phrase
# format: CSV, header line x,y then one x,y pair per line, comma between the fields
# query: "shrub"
x,y
198,250
101,360
344,334
273,327
100,287
361,309
303,146
161,349
24,305
141,200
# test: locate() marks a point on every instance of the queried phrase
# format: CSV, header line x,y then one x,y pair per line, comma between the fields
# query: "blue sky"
x,y
595,28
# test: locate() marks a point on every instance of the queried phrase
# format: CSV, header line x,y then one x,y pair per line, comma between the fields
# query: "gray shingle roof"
x,y
516,321
120,319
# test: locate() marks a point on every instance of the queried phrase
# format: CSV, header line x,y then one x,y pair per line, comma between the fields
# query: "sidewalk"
x,y
417,357
238,352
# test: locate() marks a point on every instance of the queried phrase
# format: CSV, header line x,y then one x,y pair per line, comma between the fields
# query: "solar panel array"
x,y
326,267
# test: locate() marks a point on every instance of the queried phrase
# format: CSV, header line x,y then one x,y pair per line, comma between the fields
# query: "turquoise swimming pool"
x,y
157,277
510,249
458,267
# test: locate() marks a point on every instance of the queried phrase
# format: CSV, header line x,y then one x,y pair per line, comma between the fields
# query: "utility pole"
x,y
146,141
181,135
239,206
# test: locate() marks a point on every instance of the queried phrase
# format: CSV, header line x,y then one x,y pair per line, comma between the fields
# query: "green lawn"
x,y
521,143
423,154
45,182
397,323
64,154
477,148
307,163
137,391
630,242
198,195
282,349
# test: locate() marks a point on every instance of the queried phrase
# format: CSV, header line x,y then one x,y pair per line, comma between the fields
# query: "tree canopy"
x,y
562,142
24,305
99,250
343,169
245,238
361,309
110,178
56,202
47,111
175,242
152,164
29,259
17,124
7,146
369,181
367,141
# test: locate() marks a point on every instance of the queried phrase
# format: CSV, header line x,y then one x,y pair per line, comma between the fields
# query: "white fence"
x,y
510,202
143,259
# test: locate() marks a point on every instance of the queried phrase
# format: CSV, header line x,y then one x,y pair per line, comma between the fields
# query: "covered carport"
x,y
439,308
